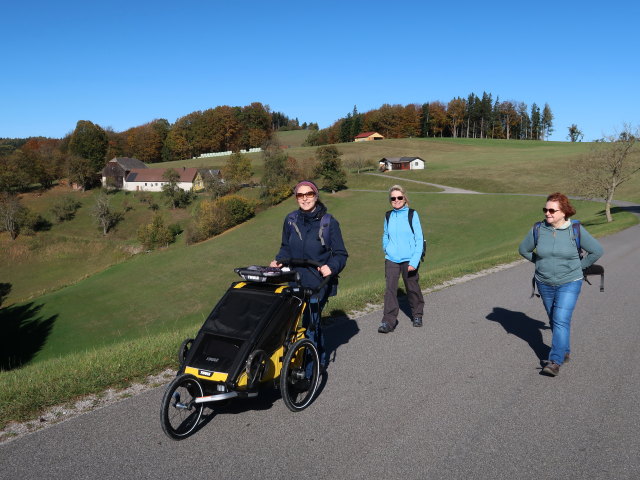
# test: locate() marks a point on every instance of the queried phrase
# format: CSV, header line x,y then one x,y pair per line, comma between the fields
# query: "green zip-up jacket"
x,y
556,255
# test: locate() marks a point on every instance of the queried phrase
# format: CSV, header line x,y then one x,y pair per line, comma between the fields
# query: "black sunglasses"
x,y
393,199
550,210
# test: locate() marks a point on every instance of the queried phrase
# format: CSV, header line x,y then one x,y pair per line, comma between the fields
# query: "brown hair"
x,y
563,203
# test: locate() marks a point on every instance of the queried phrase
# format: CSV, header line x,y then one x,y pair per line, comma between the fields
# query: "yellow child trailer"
x,y
254,336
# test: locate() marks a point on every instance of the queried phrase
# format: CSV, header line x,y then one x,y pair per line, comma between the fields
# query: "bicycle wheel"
x,y
184,349
300,375
180,414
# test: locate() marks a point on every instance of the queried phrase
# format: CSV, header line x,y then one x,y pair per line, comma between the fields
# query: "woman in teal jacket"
x,y
402,245
558,273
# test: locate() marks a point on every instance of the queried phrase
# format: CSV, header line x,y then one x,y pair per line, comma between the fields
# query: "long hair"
x,y
563,203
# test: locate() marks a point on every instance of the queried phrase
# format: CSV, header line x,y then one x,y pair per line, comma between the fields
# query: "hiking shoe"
x,y
417,322
384,328
552,369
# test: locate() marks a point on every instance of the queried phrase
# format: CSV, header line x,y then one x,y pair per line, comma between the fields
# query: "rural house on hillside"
x,y
151,179
117,169
204,175
368,136
401,163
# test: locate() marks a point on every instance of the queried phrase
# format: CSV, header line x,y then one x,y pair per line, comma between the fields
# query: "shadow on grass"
x,y
524,327
24,332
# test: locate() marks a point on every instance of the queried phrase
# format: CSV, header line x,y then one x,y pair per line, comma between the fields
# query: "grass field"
x,y
141,302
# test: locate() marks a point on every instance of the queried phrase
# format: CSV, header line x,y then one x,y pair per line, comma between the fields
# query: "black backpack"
x,y
411,212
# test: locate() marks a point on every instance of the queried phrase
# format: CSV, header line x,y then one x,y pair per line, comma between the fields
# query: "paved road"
x,y
462,397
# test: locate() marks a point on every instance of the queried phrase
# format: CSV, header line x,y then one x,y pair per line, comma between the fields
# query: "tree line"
x,y
471,117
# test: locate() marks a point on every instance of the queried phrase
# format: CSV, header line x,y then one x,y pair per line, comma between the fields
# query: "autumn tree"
x,y
237,170
575,134
358,164
329,167
279,173
11,213
155,234
103,213
64,208
610,163
80,171
455,114
176,196
89,141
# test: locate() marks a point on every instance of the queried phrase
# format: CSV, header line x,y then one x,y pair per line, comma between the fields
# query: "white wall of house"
x,y
153,186
417,164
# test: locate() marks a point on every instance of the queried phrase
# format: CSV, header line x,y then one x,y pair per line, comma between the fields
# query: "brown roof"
x,y
155,174
367,134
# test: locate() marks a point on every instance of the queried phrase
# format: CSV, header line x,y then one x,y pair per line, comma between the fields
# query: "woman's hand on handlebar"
x,y
324,270
275,264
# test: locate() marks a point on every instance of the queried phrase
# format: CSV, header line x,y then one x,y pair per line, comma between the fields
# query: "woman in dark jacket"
x,y
302,239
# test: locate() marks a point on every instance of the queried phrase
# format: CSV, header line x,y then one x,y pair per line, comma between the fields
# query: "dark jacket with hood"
x,y
307,245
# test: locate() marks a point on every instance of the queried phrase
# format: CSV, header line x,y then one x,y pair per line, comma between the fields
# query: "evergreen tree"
x,y
329,167
547,121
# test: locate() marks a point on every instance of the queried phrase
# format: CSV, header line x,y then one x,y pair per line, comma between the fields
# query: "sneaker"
x,y
384,328
417,322
552,369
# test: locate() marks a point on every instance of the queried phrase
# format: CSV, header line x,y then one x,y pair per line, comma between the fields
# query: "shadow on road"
x,y
524,327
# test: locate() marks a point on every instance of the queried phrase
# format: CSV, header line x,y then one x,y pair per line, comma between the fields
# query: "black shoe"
x,y
417,322
384,328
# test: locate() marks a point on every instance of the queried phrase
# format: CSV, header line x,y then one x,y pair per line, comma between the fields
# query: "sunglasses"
x,y
306,194
550,210
393,199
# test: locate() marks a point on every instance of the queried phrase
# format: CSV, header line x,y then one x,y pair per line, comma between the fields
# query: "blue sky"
x,y
122,64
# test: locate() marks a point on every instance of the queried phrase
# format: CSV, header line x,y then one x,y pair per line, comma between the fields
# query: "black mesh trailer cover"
x,y
245,319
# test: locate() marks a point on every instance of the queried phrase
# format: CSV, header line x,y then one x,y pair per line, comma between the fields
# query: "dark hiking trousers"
x,y
392,272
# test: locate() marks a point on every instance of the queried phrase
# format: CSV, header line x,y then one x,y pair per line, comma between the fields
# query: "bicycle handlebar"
x,y
306,262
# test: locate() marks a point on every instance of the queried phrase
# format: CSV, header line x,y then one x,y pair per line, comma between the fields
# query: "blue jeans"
x,y
559,302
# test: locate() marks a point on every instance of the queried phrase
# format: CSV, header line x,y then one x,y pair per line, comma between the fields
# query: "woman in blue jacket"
x,y
301,239
402,244
558,274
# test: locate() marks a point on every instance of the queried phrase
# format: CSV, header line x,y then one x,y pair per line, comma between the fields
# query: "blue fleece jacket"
x,y
399,243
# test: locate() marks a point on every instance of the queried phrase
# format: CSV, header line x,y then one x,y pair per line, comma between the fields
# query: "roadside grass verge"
x,y
127,322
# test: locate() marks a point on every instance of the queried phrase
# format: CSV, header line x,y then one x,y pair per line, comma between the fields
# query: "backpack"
x,y
324,233
411,212
591,270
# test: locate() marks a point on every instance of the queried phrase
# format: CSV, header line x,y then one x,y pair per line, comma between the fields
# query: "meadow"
x,y
98,310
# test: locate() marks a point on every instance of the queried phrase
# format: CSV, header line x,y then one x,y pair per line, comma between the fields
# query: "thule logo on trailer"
x,y
212,359
205,373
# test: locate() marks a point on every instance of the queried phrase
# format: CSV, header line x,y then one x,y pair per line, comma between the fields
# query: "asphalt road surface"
x,y
462,397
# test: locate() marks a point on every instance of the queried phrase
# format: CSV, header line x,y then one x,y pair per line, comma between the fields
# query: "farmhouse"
x,y
401,163
368,136
117,169
203,176
152,180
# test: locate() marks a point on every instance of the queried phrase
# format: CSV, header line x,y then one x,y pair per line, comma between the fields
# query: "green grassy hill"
x,y
113,299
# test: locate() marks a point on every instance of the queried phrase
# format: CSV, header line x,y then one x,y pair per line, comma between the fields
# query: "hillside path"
x,y
445,188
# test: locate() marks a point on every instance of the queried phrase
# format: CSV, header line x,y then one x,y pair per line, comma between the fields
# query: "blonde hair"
x,y
401,190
